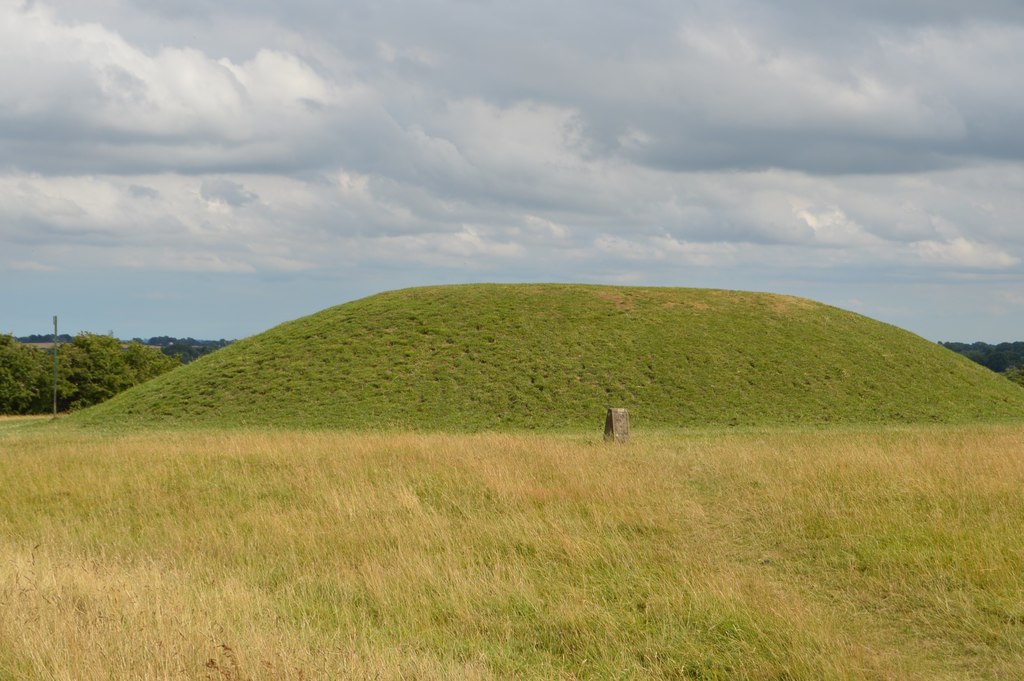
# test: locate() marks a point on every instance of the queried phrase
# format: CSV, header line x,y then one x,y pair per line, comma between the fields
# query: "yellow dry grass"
x,y
831,554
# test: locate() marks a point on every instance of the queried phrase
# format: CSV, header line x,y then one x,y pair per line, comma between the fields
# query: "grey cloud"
x,y
231,193
733,143
737,91
703,124
885,12
143,192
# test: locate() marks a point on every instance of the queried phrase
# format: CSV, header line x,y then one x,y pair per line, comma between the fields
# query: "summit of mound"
x,y
490,356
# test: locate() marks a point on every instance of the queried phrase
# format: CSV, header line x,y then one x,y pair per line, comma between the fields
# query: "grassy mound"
x,y
555,356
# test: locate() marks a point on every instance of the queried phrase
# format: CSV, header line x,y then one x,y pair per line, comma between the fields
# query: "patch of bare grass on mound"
x,y
822,554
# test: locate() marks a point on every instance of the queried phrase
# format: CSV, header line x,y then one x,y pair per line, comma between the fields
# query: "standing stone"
x,y
616,425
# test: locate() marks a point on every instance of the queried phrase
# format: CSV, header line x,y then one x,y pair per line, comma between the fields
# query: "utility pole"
x,y
56,344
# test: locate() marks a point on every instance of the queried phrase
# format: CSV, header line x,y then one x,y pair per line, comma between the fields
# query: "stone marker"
x,y
616,425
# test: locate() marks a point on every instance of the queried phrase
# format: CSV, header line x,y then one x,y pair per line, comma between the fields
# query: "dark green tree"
x,y
144,362
26,378
95,368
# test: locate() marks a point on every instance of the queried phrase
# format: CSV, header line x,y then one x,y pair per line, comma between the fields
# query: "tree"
x,y
998,358
92,369
144,363
1016,375
25,378
95,368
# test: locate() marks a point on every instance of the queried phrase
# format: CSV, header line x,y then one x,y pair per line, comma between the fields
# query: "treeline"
x,y
42,338
91,369
1004,358
999,358
185,349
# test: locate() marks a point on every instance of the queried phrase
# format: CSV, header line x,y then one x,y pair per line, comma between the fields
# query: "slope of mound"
x,y
555,356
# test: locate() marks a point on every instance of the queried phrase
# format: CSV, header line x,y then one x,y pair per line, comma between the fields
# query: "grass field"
x,y
839,553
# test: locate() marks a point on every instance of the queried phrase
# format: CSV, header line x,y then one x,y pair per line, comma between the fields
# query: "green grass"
x,y
801,554
509,357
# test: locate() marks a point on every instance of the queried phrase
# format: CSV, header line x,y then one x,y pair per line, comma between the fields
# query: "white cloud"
x,y
470,242
545,228
664,248
831,226
277,223
524,135
746,80
470,246
172,105
961,252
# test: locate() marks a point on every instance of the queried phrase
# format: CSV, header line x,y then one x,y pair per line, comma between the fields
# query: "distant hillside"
x,y
185,349
44,339
555,356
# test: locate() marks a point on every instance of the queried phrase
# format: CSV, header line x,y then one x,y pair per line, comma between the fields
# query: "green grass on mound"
x,y
482,357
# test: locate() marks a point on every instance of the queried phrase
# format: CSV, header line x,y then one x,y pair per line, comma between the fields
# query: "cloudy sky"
x,y
183,167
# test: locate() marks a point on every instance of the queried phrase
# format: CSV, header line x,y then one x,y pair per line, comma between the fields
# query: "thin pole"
x,y
56,344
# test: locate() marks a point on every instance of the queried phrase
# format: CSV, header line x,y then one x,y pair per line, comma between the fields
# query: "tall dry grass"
x,y
836,554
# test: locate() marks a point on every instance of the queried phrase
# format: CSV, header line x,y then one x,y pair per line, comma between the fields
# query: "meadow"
x,y
845,552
